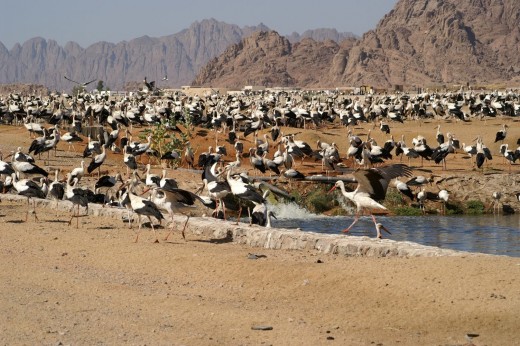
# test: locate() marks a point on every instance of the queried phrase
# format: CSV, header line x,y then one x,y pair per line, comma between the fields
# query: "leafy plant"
x,y
407,211
454,208
393,198
319,201
163,139
475,207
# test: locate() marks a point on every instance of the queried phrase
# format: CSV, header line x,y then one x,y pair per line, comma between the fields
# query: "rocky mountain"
x,y
322,34
269,59
419,43
179,56
423,42
124,65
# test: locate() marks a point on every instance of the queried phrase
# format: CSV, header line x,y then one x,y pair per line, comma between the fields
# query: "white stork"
x,y
371,188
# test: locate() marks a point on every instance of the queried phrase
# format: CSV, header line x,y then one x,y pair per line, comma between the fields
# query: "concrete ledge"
x,y
274,238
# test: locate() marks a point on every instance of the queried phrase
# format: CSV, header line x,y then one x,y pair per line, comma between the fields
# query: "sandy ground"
x,y
93,285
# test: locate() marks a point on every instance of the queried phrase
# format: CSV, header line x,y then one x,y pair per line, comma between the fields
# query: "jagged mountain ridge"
x,y
440,41
269,59
420,42
180,56
323,34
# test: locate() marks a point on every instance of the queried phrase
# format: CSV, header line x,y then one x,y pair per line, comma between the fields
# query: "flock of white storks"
x,y
110,122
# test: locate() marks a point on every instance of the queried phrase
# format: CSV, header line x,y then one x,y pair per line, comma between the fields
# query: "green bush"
x,y
475,207
319,201
454,208
394,198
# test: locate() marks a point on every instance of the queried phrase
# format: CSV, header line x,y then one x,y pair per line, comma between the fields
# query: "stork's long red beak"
x,y
385,229
333,188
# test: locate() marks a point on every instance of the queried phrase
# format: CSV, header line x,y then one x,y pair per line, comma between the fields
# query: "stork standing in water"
x,y
371,188
443,198
497,195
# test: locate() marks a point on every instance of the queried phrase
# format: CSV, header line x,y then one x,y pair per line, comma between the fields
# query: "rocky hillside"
x,y
420,42
440,41
269,59
321,35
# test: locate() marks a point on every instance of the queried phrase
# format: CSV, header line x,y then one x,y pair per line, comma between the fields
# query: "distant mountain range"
x,y
419,43
424,43
179,56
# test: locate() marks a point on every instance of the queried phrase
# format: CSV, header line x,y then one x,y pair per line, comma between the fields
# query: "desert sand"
x,y
94,285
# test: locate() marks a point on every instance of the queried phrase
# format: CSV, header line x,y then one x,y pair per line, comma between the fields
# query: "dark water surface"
x,y
491,234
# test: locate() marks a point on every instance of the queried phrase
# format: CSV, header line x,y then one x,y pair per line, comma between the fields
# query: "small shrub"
x,y
454,208
475,208
393,198
297,197
318,201
407,211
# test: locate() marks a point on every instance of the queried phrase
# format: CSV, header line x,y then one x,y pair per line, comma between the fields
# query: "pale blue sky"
x,y
89,21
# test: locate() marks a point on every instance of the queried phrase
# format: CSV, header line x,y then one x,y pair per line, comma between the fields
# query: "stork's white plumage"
x,y
129,160
78,172
242,191
56,190
141,148
443,197
404,189
151,179
371,188
77,196
70,138
142,206
97,161
27,167
167,183
501,135
175,200
29,189
6,168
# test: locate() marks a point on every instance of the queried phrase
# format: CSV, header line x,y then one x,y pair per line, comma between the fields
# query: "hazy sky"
x,y
90,21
